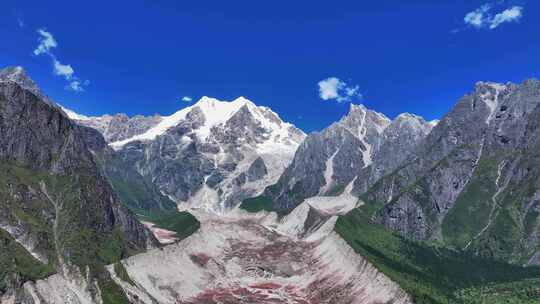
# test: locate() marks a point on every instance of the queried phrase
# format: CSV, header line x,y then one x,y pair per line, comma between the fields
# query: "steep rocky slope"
x,y
135,191
55,203
358,149
473,182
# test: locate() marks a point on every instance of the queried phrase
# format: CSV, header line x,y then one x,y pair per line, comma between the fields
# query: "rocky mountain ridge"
x,y
358,149
116,127
55,203
474,174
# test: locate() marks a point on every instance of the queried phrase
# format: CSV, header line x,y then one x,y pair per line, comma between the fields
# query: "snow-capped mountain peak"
x,y
216,112
210,155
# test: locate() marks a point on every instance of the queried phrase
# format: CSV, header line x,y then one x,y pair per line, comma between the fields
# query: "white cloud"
x,y
333,88
187,99
46,42
481,18
77,85
328,88
477,18
64,70
509,15
20,22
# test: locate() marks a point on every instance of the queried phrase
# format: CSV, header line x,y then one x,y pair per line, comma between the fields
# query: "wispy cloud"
x,y
333,88
77,85
47,42
477,18
512,14
482,18
64,70
187,99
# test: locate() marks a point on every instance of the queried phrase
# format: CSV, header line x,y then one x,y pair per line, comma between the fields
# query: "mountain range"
x,y
368,210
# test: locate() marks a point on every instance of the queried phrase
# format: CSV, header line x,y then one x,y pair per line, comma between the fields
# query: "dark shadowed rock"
x,y
257,170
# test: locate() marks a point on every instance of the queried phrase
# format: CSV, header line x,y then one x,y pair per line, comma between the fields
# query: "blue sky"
x,y
142,57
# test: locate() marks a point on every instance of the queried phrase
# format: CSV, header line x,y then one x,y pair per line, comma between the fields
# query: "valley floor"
x,y
257,258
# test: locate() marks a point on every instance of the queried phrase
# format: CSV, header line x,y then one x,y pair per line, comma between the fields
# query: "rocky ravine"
x,y
246,258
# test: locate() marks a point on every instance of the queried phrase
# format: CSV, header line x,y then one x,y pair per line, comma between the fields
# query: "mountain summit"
x,y
212,154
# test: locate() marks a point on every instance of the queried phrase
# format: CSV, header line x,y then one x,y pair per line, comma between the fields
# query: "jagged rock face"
x,y
398,141
55,203
213,154
241,128
361,147
134,190
473,174
37,135
18,75
334,154
257,170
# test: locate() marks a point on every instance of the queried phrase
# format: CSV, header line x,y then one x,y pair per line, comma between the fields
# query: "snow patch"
x,y
434,123
492,99
328,173
73,115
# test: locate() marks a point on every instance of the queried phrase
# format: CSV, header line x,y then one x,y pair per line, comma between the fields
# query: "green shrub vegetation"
x,y
121,272
257,204
17,265
436,274
111,293
472,208
75,228
183,223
